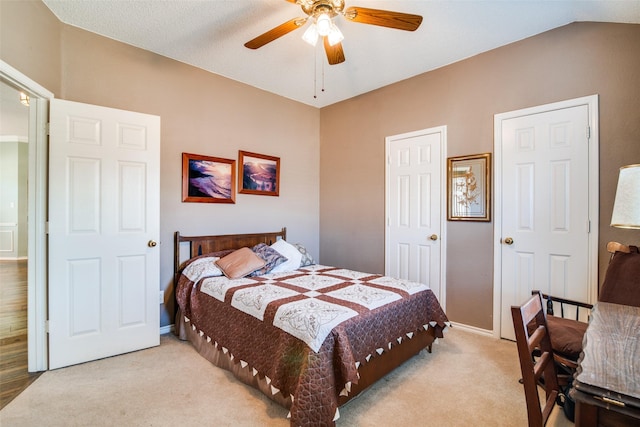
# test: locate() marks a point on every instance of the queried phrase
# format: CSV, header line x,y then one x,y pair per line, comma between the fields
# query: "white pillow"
x,y
203,267
293,255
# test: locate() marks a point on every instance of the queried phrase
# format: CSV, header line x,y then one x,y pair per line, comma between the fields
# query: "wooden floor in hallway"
x,y
14,375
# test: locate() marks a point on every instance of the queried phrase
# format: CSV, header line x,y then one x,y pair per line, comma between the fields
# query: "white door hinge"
x,y
47,127
46,326
588,132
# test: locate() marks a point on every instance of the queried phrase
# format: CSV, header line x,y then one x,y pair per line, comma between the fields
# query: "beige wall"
x,y
30,41
573,61
200,113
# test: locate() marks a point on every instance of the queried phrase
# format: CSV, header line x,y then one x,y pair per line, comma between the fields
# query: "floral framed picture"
x,y
208,179
259,174
469,188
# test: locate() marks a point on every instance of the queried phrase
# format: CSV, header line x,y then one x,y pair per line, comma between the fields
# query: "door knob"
x,y
508,241
152,244
434,237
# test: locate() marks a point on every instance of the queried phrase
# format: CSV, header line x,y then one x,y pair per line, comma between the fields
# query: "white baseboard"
x,y
166,329
473,329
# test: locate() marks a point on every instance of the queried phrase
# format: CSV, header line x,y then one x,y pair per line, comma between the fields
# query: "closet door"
x,y
545,218
414,208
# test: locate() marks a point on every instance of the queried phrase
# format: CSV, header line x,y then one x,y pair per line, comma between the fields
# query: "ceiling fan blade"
x,y
275,33
335,54
384,18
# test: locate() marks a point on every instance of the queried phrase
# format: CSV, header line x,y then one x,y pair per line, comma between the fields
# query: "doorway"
x,y
38,232
14,164
546,203
36,210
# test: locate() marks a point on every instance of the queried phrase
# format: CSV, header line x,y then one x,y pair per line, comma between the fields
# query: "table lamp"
x,y
626,208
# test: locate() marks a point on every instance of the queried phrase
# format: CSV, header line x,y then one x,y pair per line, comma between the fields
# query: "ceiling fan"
x,y
322,13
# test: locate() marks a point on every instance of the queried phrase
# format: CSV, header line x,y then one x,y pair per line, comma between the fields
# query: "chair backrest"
x,y
622,280
536,369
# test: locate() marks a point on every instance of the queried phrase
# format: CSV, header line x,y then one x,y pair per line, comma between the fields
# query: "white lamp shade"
x,y
335,36
323,22
626,208
311,35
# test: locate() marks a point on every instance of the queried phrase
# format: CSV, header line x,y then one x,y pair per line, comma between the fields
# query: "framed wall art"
x,y
259,174
208,179
469,188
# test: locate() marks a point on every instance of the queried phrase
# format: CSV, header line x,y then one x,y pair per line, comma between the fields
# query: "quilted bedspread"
x,y
306,331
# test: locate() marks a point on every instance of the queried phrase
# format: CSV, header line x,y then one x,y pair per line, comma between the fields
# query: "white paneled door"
x,y
544,223
104,176
414,200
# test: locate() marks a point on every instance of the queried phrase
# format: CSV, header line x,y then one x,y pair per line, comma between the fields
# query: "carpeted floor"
x,y
468,380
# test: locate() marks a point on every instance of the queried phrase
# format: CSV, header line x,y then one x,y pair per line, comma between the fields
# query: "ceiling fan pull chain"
x,y
315,73
322,76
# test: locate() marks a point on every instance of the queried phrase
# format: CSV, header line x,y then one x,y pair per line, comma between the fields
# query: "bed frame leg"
x,y
429,348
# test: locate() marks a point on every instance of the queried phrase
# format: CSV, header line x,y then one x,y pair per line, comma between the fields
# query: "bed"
x,y
310,338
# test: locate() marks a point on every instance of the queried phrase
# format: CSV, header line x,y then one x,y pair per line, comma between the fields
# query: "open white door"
x,y
414,204
104,176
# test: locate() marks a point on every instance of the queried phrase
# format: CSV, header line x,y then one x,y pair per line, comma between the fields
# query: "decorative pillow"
x,y
293,255
240,263
217,254
202,267
307,259
270,256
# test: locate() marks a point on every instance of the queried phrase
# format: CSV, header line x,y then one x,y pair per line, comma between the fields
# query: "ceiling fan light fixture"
x,y
324,24
321,14
311,35
335,36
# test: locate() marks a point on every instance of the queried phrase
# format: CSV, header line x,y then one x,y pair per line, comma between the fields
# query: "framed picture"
x,y
208,179
259,174
469,188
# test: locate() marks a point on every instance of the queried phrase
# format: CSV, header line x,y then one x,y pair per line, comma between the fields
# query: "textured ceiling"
x,y
211,35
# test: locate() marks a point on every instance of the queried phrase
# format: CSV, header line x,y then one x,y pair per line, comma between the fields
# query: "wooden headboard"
x,y
199,245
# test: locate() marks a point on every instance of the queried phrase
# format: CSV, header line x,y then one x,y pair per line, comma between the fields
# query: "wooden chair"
x,y
623,274
536,359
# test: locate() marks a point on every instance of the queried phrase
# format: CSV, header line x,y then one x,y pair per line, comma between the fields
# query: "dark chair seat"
x,y
566,336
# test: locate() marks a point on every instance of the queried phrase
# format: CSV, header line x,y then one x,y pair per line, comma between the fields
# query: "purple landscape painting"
x,y
259,174
208,179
